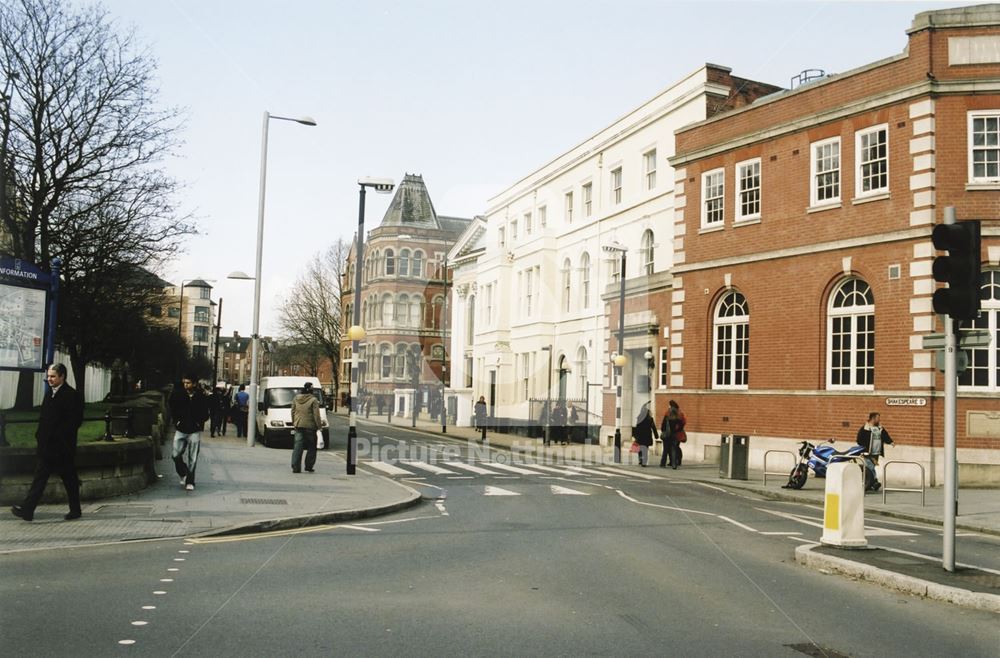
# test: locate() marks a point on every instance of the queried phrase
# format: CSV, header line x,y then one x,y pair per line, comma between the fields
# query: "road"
x,y
503,558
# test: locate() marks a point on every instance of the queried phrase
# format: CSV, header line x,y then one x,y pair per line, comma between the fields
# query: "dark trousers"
x,y
670,452
304,439
65,469
241,422
218,423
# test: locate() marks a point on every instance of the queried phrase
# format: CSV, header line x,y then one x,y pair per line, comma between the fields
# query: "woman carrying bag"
x,y
644,433
672,430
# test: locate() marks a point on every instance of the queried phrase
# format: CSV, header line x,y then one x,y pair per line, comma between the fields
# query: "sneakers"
x,y
189,487
183,480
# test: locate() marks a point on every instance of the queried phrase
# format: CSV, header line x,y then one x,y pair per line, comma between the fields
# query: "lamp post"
x,y
444,347
548,400
255,336
619,359
215,357
356,332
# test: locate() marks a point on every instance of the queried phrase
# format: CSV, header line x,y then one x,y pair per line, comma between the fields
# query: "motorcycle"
x,y
818,458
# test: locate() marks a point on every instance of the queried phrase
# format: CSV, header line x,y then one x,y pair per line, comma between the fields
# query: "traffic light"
x,y
959,269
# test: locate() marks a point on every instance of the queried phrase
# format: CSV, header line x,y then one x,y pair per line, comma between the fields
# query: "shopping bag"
x,y
319,440
635,447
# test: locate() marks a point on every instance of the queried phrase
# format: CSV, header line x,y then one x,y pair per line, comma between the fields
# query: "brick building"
x,y
801,287
402,302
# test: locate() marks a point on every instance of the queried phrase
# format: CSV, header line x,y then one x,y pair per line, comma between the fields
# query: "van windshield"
x,y
281,398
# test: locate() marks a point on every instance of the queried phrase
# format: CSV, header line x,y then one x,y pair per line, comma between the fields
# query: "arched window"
x,y
386,310
349,312
400,367
646,253
731,342
402,309
851,336
404,262
581,373
983,372
390,263
437,312
416,310
566,268
385,352
417,268
585,280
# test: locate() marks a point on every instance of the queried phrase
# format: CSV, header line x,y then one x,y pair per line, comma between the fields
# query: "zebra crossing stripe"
x,y
564,491
512,469
471,468
430,468
634,474
497,491
550,469
388,468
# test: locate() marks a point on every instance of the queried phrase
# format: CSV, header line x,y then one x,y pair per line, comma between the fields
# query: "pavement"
x,y
242,490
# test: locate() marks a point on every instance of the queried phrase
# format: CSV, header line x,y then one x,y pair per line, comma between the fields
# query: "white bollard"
x,y
844,507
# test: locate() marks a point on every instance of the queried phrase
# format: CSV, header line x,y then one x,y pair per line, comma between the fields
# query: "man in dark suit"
x,y
60,418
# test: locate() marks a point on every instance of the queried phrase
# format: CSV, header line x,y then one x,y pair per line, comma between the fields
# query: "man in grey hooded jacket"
x,y
306,420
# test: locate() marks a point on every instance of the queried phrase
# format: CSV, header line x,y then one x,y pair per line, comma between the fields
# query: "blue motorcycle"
x,y
818,458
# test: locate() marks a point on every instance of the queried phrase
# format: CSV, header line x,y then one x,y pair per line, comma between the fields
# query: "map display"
x,y
22,327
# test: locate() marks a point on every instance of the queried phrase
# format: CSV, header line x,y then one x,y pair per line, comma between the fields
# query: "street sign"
x,y
966,340
961,361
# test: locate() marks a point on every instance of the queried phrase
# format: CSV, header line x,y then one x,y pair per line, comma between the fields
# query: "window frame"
x,y
647,252
587,197
855,313
649,169
527,223
720,197
989,320
859,164
733,340
585,280
971,147
741,191
568,207
616,185
814,173
664,367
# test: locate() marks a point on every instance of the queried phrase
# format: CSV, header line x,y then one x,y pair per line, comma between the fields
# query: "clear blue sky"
x,y
473,95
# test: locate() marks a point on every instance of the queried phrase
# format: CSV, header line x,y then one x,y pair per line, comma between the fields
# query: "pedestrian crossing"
x,y
457,469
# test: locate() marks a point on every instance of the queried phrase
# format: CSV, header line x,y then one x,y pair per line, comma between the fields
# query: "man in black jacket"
x,y
189,411
58,422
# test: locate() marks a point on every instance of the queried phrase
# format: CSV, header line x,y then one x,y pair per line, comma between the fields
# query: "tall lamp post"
x,y
356,332
548,400
619,359
444,353
255,336
215,357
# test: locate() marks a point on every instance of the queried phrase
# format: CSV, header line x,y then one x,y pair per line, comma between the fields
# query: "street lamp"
x,y
548,400
255,336
356,332
619,359
444,353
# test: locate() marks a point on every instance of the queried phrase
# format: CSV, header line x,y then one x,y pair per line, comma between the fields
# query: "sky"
x,y
472,95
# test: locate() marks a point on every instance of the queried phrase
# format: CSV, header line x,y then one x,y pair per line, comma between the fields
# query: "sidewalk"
x,y
978,511
239,489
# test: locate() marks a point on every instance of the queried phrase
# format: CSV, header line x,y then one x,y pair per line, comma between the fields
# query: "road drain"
x,y
263,501
816,651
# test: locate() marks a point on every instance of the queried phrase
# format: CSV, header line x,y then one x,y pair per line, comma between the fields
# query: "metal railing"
x,y
107,418
885,484
782,473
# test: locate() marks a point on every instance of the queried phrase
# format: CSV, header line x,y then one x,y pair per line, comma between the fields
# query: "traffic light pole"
x,y
950,430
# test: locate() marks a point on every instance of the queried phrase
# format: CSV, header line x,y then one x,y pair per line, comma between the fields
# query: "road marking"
x,y
472,468
686,511
736,523
550,469
634,474
563,491
711,486
497,491
781,532
356,527
512,469
430,468
388,468
870,531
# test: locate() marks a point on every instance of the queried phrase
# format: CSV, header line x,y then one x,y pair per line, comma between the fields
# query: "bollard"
x,y
844,507
107,426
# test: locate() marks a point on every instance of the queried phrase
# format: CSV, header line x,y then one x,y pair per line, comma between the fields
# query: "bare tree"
x,y
85,142
311,314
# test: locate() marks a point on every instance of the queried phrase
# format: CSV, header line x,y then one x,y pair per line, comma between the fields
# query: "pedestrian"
x,y
189,411
218,408
58,421
481,416
242,411
644,433
573,420
873,438
673,434
307,421
558,431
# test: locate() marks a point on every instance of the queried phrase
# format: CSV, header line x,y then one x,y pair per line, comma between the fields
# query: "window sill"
x,y
746,222
711,229
827,206
974,187
882,196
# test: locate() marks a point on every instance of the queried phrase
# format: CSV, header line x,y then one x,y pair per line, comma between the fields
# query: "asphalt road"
x,y
600,561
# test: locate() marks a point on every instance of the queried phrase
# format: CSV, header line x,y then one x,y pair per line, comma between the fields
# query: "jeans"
x,y
185,454
304,438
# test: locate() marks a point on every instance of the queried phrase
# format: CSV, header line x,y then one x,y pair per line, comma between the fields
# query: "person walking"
x,y
217,406
644,433
306,420
873,438
189,411
58,422
558,430
481,416
242,411
572,420
672,431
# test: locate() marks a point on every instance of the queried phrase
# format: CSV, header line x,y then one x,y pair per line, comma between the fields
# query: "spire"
x,y
411,205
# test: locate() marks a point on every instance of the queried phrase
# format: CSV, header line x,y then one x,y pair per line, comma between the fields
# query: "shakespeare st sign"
x,y
27,314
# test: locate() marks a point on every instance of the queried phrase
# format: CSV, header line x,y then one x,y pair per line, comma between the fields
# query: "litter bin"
x,y
734,457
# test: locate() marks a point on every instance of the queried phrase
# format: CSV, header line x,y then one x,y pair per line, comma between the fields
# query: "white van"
x,y
274,409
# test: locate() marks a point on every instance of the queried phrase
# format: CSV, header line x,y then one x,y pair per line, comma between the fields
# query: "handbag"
x,y
635,447
319,440
682,436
